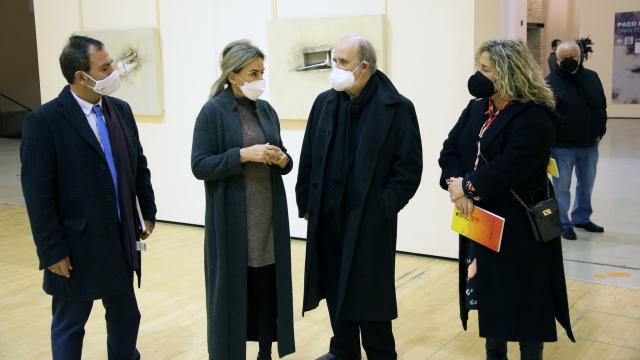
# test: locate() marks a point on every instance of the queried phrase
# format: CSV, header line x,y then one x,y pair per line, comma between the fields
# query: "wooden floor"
x,y
606,319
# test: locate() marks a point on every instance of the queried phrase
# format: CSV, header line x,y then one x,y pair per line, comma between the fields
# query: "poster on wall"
x,y
626,58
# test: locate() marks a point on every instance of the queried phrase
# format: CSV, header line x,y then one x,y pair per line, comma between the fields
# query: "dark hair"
x,y
555,43
75,56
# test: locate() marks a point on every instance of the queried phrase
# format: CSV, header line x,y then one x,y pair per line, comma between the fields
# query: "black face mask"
x,y
480,86
568,66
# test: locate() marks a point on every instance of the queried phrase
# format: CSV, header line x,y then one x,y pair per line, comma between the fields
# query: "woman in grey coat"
x,y
238,152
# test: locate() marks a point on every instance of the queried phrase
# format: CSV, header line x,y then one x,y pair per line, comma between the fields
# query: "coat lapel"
x,y
477,118
371,141
500,122
323,133
231,121
74,115
266,123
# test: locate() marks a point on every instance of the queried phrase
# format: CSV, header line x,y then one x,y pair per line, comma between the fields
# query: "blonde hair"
x,y
518,76
236,55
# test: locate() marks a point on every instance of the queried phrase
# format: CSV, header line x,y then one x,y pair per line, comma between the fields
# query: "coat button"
x,y
328,132
112,229
108,197
103,167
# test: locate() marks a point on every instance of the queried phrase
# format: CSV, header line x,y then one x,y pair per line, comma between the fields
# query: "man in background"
x,y
581,123
552,60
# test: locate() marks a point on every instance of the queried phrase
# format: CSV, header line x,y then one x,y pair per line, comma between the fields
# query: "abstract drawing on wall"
x,y
136,53
626,58
299,57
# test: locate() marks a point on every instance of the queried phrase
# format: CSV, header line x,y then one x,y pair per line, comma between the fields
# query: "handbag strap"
x,y
519,200
514,193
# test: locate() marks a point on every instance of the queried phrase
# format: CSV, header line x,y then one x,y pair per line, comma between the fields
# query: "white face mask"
x,y
106,86
252,90
342,80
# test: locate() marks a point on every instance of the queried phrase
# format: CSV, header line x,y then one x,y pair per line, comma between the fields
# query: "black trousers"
x,y
69,318
377,336
262,310
529,350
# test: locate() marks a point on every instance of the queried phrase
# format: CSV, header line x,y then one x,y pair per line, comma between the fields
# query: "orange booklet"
x,y
483,227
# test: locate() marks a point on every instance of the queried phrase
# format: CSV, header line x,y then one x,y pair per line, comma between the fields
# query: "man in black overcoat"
x,y
361,163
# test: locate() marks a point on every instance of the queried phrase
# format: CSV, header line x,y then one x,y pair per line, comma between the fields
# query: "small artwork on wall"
x,y
136,54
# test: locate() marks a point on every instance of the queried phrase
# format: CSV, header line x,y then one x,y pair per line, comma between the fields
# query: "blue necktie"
x,y
106,147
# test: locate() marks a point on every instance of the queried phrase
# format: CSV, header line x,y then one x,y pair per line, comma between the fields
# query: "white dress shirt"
x,y
87,109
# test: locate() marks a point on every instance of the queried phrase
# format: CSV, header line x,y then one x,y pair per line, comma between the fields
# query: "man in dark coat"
x,y
83,174
580,125
361,163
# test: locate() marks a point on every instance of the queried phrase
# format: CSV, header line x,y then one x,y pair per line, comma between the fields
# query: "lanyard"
x,y
492,117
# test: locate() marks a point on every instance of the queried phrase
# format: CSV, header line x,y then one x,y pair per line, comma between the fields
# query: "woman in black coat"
x,y
502,143
238,152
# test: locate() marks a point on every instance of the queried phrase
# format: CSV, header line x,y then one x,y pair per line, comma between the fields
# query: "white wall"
x,y
513,19
596,18
18,63
430,56
561,23
431,59
487,21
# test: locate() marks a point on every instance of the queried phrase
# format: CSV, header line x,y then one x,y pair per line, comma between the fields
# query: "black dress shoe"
x,y
327,356
590,227
569,234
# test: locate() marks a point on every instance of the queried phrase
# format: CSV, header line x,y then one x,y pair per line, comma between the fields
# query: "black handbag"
x,y
544,217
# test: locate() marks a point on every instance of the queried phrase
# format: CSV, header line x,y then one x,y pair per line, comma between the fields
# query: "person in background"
x,y
238,153
552,60
581,109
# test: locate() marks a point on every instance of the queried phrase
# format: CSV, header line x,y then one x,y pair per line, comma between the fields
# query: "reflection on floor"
x,y
613,257
10,190
605,319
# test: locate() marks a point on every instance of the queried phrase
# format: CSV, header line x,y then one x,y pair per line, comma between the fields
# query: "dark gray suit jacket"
x,y
71,199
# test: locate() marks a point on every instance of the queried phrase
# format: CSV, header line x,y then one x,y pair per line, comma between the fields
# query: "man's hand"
x,y
62,268
306,216
150,226
598,139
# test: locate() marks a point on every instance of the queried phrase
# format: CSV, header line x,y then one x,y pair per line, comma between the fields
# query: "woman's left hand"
x,y
465,206
455,189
